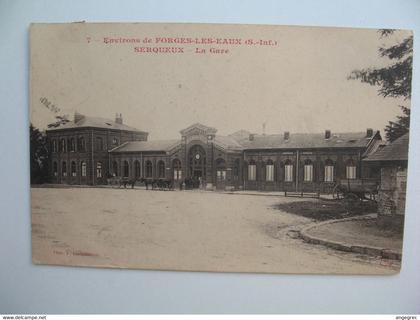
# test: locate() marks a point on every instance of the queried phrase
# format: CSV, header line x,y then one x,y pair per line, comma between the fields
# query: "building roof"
x,y
153,145
227,142
307,141
395,151
275,141
94,122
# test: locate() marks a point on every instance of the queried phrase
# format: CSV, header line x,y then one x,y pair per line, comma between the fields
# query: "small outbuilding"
x,y
392,160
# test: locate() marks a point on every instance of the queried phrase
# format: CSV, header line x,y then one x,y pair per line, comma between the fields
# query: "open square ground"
x,y
180,230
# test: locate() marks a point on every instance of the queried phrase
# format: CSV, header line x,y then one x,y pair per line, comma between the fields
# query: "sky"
x,y
298,85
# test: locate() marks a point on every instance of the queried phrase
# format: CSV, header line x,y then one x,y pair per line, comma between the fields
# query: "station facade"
x,y
91,150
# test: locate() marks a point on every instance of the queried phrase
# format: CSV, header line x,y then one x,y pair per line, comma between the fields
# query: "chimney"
x,y
369,133
118,118
327,134
251,137
286,135
78,117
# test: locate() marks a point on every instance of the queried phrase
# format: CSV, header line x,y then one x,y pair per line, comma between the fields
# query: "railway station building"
x,y
90,150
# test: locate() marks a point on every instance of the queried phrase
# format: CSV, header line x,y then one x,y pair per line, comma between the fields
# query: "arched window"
x,y
308,171
99,169
73,168
55,168
288,171
115,168
252,171
64,169
329,171
137,171
176,165
220,170
126,169
269,170
161,169
236,167
83,168
81,145
351,169
149,169
63,145
72,145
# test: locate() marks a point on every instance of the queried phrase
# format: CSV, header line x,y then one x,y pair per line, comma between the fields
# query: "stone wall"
x,y
392,194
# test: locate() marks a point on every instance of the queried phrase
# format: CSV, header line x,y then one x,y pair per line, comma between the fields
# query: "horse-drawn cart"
x,y
355,190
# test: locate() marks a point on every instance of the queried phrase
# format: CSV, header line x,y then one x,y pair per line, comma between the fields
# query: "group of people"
x,y
161,184
191,183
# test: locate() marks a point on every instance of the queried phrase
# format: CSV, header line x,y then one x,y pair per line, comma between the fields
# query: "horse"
x,y
126,181
160,184
147,182
165,184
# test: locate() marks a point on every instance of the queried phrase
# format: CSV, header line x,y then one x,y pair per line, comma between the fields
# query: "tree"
x,y
393,80
60,120
38,156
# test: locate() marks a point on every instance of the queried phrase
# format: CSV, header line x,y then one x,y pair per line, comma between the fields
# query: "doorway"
x,y
197,166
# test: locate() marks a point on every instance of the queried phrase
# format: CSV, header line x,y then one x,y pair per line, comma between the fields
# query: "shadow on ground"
x,y
321,210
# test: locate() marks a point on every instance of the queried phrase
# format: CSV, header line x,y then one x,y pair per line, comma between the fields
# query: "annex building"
x,y
89,150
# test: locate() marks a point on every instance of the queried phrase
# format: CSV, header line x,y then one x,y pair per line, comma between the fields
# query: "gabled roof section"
x,y
143,146
95,122
308,140
395,151
199,127
227,143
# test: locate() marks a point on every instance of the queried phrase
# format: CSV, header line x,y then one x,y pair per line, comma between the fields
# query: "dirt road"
x,y
179,230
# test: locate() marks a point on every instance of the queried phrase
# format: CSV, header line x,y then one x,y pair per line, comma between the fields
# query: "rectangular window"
x,y
269,172
252,172
288,173
177,174
221,175
329,174
308,173
99,144
83,169
351,172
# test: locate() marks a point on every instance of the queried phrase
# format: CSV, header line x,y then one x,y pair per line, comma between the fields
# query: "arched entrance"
x,y
197,165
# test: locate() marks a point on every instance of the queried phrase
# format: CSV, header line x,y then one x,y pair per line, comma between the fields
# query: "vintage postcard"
x,y
216,147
